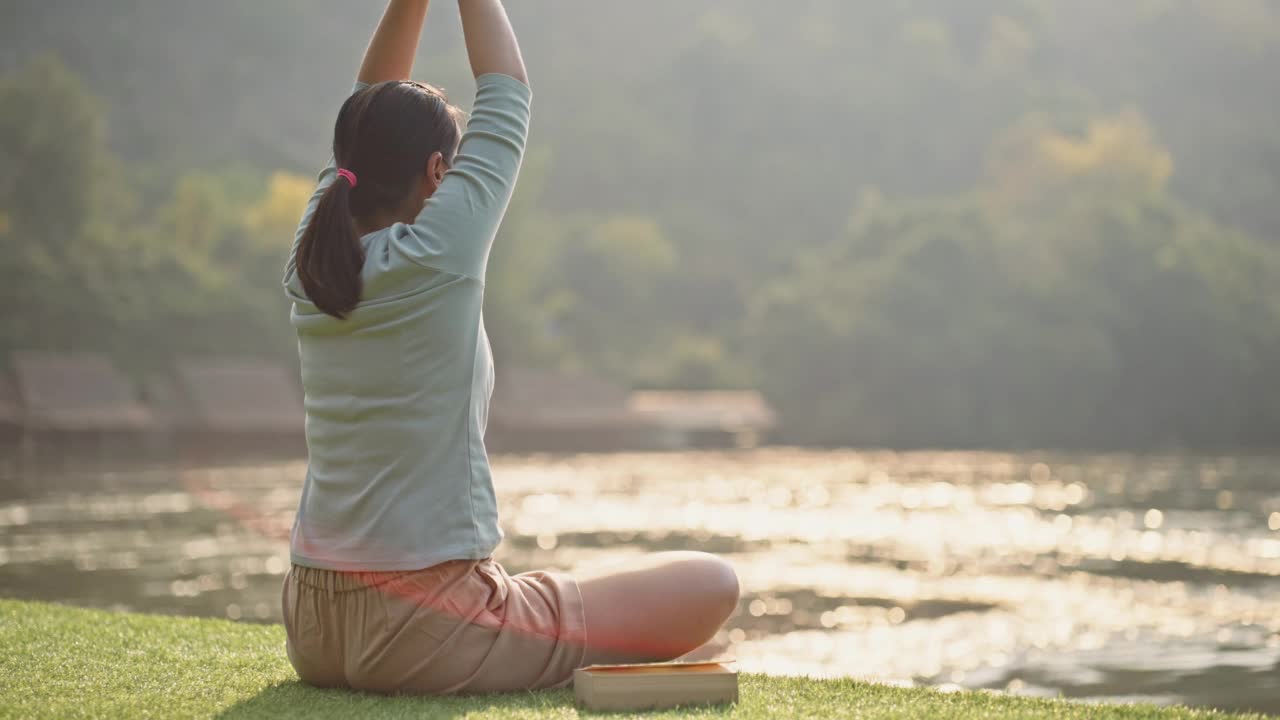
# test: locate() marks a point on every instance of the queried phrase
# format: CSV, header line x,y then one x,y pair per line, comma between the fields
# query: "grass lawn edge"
x,y
64,662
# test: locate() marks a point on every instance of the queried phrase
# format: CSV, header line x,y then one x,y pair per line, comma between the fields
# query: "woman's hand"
x,y
491,43
395,43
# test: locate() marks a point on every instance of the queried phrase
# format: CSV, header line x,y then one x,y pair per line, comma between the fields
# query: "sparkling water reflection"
x,y
1121,577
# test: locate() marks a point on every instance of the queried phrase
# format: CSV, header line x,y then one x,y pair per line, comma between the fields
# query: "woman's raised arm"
x,y
491,43
395,43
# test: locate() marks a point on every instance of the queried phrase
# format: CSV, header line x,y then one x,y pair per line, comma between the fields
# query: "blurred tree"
x,y
216,262
1115,154
52,145
1092,310
276,215
56,174
83,270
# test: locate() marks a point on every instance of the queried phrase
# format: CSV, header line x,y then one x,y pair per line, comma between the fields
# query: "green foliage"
x,y
52,199
1064,220
61,662
86,268
1069,310
51,138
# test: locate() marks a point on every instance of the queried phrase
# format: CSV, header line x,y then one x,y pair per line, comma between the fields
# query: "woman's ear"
x,y
436,168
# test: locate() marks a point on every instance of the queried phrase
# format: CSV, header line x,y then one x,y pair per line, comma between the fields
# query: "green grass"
x,y
71,663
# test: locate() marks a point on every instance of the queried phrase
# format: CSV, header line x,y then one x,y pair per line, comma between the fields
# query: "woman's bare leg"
x,y
656,608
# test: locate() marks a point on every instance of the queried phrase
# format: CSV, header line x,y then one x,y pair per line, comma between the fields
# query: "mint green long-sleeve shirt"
x,y
397,395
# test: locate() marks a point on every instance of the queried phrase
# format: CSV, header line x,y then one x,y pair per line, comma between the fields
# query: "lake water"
x,y
1112,577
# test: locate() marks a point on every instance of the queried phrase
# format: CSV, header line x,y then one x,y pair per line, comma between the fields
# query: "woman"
x,y
393,586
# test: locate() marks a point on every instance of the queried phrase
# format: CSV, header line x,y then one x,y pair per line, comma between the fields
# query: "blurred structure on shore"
x,y
58,407
705,419
53,405
535,410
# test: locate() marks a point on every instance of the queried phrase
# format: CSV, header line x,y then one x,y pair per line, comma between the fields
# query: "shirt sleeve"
x,y
455,230
323,181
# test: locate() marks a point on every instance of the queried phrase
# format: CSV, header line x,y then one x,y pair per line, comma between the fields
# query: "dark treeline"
x,y
919,222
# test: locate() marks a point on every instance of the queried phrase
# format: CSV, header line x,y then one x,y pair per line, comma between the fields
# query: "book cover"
x,y
651,686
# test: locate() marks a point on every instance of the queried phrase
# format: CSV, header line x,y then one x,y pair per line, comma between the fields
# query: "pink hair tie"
x,y
350,176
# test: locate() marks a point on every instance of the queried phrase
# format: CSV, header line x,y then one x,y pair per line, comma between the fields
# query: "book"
x,y
653,686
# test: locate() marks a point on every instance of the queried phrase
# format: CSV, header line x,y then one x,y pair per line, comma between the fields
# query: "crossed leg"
x,y
656,608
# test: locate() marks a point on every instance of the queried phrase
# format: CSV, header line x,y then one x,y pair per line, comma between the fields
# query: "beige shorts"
x,y
463,626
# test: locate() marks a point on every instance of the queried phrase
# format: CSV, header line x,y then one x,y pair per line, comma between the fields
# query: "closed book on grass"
x,y
655,685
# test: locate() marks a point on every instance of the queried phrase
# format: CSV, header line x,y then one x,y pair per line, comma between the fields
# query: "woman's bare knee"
x,y
723,586
660,607
715,584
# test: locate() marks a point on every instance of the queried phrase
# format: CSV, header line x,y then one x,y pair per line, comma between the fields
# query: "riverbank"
x,y
61,662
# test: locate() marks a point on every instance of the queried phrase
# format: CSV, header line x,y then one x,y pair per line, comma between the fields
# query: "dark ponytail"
x,y
330,257
384,135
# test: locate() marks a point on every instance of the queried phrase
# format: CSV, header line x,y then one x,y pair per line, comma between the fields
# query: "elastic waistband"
x,y
339,581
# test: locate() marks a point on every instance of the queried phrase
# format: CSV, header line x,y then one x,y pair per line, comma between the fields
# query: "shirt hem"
x,y
421,562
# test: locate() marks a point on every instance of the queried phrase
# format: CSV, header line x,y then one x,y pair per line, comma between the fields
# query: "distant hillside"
x,y
712,103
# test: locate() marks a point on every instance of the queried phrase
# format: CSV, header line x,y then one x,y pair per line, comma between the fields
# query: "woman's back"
x,y
397,393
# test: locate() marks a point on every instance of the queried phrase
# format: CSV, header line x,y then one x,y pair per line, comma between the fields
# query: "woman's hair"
x,y
385,135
